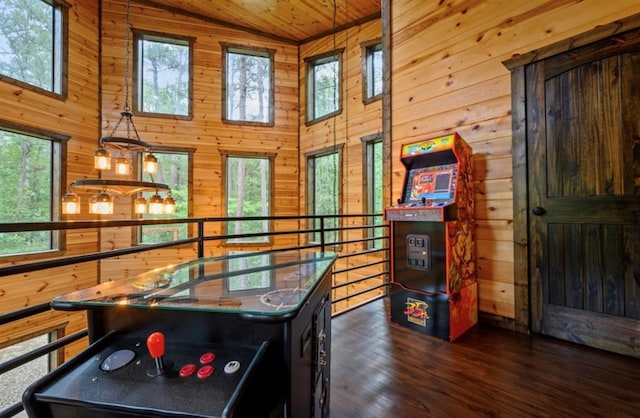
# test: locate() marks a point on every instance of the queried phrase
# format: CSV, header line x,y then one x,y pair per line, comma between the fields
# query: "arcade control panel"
x,y
427,210
118,376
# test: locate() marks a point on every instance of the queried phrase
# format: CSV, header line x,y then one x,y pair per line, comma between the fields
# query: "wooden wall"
x,y
205,132
77,116
447,75
356,121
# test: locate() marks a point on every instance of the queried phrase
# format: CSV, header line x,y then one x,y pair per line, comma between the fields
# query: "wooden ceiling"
x,y
294,21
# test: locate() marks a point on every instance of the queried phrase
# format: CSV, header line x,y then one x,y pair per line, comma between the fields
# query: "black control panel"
x,y
121,376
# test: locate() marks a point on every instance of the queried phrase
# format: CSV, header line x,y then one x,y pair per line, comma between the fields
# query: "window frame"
x,y
225,154
310,159
369,168
137,235
58,179
137,94
60,52
368,48
310,65
253,51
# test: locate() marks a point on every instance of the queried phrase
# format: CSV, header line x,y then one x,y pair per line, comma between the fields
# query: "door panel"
x,y
583,147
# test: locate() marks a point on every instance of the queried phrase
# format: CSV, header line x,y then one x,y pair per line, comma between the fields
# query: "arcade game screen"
x,y
431,183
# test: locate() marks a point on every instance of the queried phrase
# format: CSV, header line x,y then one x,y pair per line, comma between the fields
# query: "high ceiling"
x,y
294,21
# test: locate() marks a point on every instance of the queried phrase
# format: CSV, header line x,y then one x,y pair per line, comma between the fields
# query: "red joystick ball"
x,y
155,344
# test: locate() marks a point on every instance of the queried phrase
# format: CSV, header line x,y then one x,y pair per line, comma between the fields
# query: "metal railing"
x,y
369,229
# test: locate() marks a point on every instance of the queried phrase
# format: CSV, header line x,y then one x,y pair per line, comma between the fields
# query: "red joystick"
x,y
155,344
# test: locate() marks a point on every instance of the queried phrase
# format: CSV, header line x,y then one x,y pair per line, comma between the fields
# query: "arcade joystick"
x,y
155,344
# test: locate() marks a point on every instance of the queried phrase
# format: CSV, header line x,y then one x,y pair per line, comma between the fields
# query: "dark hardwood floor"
x,y
381,369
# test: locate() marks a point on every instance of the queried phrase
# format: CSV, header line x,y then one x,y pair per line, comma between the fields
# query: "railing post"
x,y
322,243
200,238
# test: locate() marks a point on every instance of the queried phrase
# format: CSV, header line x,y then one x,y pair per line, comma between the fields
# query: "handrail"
x,y
199,239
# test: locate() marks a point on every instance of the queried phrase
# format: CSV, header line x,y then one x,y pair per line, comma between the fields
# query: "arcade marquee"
x,y
433,283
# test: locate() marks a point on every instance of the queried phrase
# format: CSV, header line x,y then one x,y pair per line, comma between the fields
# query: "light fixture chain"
x,y
126,65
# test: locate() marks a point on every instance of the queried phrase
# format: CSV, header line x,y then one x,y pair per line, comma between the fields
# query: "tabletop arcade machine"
x,y
236,336
433,284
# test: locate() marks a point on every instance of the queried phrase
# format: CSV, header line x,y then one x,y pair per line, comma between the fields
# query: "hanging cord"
x,y
126,64
346,110
335,140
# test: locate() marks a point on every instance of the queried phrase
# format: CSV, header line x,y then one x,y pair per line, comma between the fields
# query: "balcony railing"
x,y
359,276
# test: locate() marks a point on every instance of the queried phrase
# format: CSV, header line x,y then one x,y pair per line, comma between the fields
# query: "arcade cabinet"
x,y
235,336
433,285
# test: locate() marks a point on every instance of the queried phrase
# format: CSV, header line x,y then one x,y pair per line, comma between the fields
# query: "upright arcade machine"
x,y
433,282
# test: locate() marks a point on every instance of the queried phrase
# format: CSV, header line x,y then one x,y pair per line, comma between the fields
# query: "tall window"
x,y
323,86
373,186
173,170
248,84
324,191
31,43
248,192
371,71
163,74
30,171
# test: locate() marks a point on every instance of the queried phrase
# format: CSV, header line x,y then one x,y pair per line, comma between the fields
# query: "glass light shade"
x,y
169,204
156,205
140,205
70,204
101,159
150,164
101,204
122,166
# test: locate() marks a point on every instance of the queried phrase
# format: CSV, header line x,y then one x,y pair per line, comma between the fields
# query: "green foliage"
x,y
377,191
374,70
27,41
165,76
173,170
325,88
326,184
248,194
26,189
256,280
248,87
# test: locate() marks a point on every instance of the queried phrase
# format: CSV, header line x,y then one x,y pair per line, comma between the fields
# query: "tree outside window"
x,y
323,86
248,192
29,165
31,43
248,84
163,75
173,170
324,191
373,186
372,71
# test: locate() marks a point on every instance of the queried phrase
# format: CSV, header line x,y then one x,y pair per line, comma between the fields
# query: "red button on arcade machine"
x,y
205,372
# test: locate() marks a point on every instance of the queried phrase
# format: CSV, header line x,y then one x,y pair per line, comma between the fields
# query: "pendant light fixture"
x,y
124,147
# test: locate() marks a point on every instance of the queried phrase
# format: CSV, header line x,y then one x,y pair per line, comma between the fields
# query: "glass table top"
x,y
274,283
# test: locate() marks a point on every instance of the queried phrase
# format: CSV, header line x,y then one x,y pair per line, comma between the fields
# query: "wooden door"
x,y
583,151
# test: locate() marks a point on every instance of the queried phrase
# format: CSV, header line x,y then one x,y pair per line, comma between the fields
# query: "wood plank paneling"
x,y
77,116
205,131
447,76
357,120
